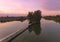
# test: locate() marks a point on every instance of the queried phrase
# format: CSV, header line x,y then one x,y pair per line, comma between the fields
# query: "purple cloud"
x,y
51,4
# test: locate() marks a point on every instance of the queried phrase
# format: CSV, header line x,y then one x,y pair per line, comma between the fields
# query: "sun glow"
x,y
48,7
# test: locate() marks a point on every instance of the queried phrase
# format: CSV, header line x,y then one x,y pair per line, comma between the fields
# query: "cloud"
x,y
51,4
19,5
24,6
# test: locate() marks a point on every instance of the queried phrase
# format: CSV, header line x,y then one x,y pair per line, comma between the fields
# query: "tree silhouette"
x,y
30,15
37,14
34,16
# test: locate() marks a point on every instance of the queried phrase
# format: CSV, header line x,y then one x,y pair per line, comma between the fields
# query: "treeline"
x,y
55,18
8,19
34,16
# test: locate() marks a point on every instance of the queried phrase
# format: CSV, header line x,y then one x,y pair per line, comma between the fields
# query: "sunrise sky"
x,y
48,7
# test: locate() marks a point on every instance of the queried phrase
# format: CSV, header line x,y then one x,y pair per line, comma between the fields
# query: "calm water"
x,y
46,31
9,28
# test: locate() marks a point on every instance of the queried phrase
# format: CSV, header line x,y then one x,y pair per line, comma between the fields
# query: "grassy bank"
x,y
55,18
7,19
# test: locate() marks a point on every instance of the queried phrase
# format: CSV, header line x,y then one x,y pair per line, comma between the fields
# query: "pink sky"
x,y
48,7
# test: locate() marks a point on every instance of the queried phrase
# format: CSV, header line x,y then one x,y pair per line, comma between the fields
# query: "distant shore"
x,y
7,19
55,18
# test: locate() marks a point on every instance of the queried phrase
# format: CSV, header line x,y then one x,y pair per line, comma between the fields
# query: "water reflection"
x,y
35,26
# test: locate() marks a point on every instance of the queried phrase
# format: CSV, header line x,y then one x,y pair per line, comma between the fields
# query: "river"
x,y
10,29
46,31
